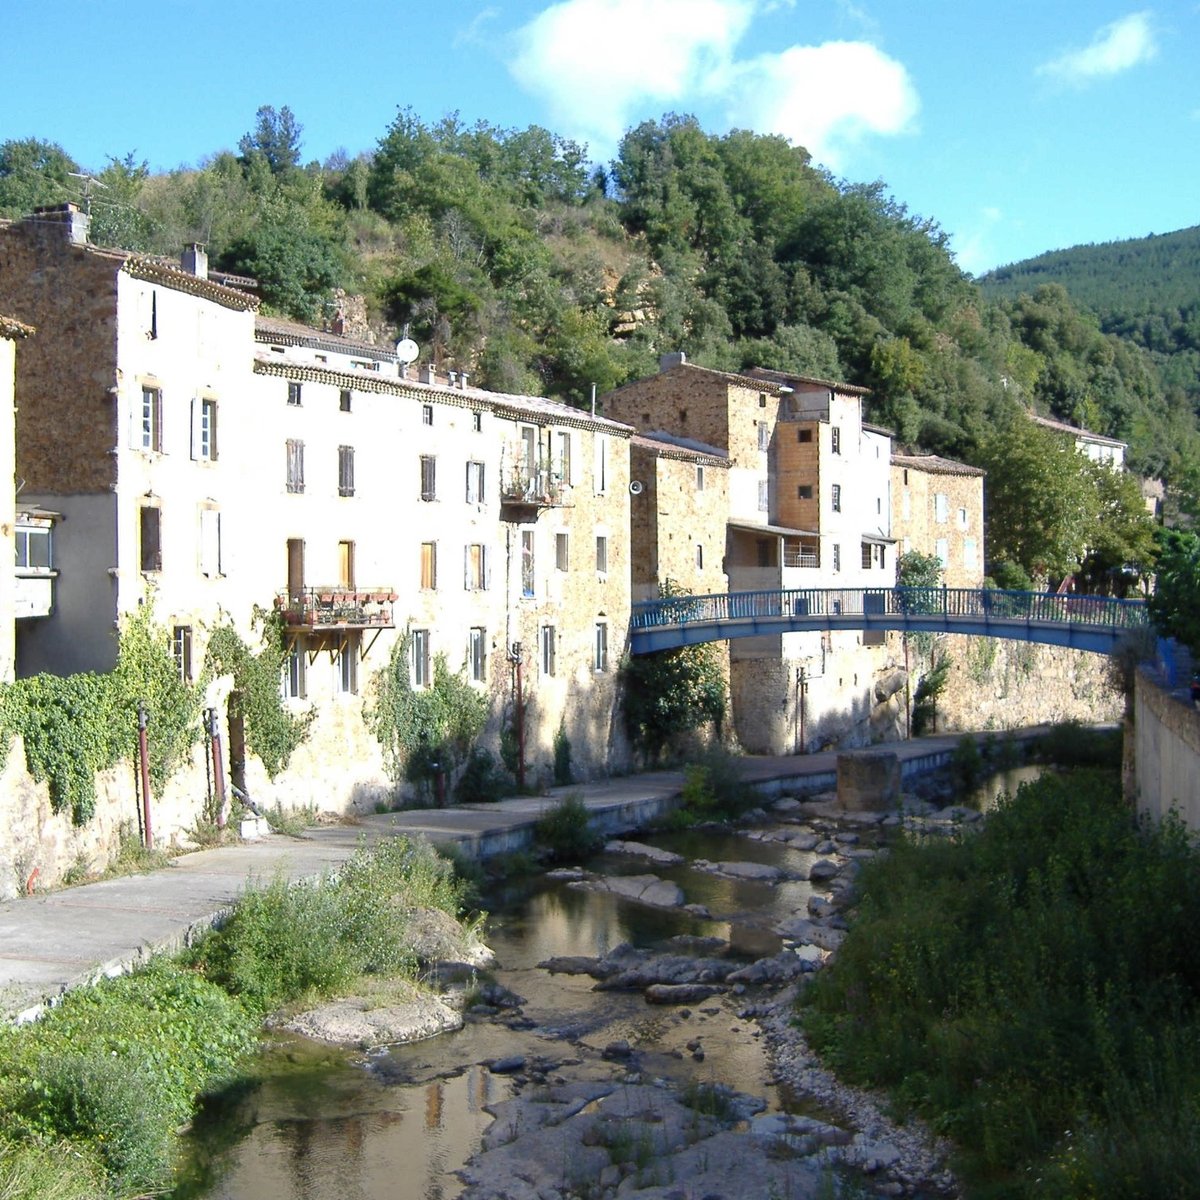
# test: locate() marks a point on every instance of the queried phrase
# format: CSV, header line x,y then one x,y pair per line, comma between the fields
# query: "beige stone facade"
x,y
937,509
210,461
807,506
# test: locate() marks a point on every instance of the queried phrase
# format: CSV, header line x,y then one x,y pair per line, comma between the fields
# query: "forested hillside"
x,y
507,254
1146,291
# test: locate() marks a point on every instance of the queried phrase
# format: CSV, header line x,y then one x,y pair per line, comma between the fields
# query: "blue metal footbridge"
x,y
1095,623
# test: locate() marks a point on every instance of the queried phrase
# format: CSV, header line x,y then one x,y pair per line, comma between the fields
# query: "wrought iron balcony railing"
x,y
337,608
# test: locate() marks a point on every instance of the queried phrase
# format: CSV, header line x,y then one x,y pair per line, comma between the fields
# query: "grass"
x,y
1034,991
93,1095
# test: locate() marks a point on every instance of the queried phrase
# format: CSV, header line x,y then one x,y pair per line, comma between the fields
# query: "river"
x,y
331,1124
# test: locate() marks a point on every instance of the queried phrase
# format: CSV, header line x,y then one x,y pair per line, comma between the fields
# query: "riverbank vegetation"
x,y
92,1095
1033,990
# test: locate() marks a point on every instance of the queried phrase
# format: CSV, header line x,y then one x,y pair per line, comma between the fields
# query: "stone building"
x,y
937,509
12,331
808,507
214,462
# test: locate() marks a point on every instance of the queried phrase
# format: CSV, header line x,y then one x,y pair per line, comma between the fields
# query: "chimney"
x,y
73,223
428,374
452,376
462,381
194,260
675,359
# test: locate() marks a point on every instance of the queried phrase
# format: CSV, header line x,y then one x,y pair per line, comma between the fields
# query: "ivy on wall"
x,y
272,732
75,726
418,728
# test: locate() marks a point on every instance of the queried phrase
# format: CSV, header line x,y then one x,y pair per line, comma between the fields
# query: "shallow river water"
x,y
333,1124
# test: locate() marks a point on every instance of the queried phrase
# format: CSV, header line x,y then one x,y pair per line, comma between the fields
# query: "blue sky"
x,y
1019,127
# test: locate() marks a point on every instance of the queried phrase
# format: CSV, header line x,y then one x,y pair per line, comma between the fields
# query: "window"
x,y
527,572
476,569
294,394
477,422
420,655
151,427
428,566
152,319
210,542
181,651
764,496
836,498
699,557
906,504
345,400
295,465
804,435
600,658
762,400
477,654
426,414
942,549
764,435
547,648
837,557
970,553
204,429
561,552
150,537
835,439
804,491
763,550
345,470
295,674
602,554
941,508
346,566
474,483
866,556
345,679
699,478
428,477
562,457
962,518
33,550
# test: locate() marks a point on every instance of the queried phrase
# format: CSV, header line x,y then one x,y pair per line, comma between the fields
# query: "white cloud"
x,y
1115,48
974,248
595,62
826,98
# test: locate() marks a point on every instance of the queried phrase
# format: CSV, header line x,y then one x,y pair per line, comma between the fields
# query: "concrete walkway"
x,y
53,941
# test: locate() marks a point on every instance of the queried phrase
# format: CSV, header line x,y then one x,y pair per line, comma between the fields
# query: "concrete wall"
x,y
1167,731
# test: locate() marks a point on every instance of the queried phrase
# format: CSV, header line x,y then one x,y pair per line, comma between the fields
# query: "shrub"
x,y
564,832
57,1172
483,780
1070,744
1042,976
712,791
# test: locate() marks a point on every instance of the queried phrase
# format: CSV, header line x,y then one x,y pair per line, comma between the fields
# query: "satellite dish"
x,y
636,487
407,350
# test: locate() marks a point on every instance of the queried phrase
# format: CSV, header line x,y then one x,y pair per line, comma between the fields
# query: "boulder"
x,y
662,858
354,1022
682,993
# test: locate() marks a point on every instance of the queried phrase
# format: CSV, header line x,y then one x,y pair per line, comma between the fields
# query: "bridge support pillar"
x,y
868,780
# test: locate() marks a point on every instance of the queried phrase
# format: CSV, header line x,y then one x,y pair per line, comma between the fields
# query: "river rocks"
x,y
781,968
823,869
357,1022
810,933
435,936
661,858
820,907
682,993
644,889
669,969
761,872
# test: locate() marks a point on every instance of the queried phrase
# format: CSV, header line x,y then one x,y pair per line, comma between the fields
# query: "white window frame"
x,y
294,680
477,654
601,554
548,650
210,542
600,649
422,660
941,507
562,551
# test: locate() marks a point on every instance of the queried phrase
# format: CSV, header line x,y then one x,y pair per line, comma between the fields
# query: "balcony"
x,y
325,608
801,556
532,487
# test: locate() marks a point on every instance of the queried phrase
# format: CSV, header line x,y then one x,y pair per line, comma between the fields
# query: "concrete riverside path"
x,y
53,941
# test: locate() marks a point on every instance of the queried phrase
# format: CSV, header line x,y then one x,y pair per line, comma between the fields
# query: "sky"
x,y
1018,126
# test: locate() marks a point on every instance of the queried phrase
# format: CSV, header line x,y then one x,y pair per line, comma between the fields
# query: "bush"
x,y
117,1068
1035,992
1070,744
564,832
483,780
284,941
712,791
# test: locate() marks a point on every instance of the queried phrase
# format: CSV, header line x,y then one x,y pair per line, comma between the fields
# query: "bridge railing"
x,y
987,604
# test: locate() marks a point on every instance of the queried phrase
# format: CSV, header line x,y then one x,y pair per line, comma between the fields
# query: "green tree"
x,y
275,139
1173,606
1122,544
1042,503
33,172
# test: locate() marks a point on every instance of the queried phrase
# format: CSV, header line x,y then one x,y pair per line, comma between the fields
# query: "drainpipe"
x,y
218,766
144,766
